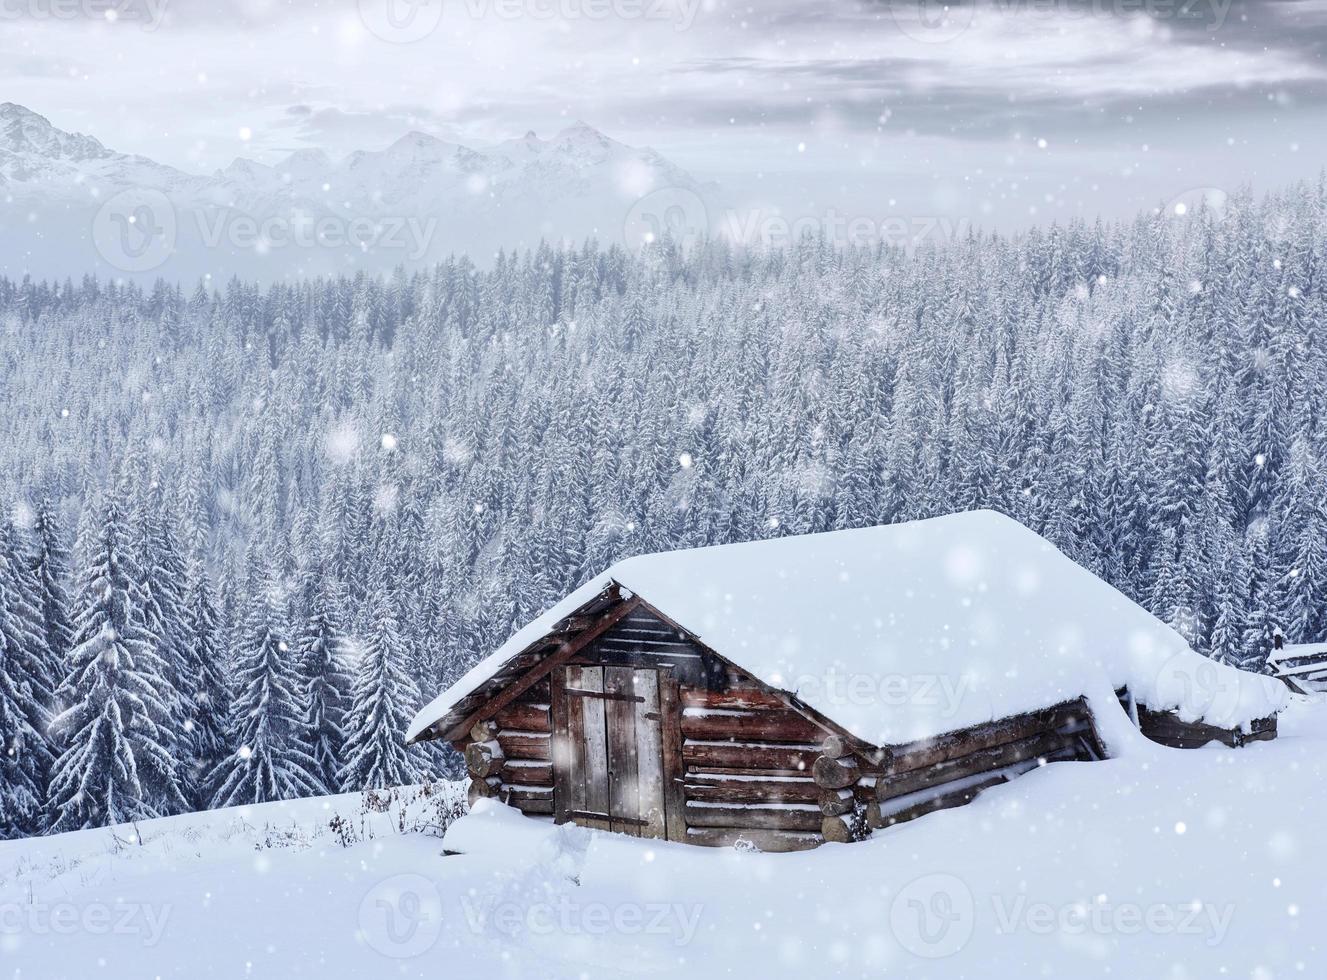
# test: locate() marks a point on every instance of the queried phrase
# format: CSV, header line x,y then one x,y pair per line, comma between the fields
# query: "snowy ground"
x,y
1162,864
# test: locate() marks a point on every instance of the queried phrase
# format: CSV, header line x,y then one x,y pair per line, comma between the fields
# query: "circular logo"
x,y
933,916
401,21
1212,200
1196,681
675,212
401,917
932,21
135,230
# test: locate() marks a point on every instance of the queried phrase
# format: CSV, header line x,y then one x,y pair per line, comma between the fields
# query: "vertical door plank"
x,y
576,747
595,764
670,708
623,795
562,749
649,754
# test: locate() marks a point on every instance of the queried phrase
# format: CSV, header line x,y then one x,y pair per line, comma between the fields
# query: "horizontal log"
x,y
842,830
836,802
523,717
751,790
835,773
940,801
929,752
746,726
1043,744
736,698
482,789
524,745
482,731
747,773
536,775
483,758
749,818
528,802
835,747
738,756
769,841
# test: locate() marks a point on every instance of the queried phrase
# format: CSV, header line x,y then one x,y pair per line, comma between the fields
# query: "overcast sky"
x,y
1001,113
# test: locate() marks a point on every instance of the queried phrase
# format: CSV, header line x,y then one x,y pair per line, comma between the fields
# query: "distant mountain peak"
x,y
23,131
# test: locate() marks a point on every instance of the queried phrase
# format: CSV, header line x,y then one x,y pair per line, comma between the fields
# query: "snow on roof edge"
x,y
725,594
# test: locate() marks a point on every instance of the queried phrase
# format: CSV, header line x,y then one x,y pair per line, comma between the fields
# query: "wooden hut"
x,y
773,692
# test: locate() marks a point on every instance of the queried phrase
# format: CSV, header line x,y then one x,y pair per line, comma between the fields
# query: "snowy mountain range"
x,y
71,205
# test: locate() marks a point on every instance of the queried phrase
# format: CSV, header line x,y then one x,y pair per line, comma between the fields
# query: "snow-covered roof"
x,y
908,631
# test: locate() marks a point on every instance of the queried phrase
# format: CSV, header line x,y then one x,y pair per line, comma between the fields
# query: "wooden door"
x,y
608,770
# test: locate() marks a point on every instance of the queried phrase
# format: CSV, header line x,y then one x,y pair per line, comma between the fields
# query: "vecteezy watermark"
x,y
410,235
406,21
138,230
676,214
1195,201
147,14
1215,690
401,917
943,692
931,21
775,230
135,230
933,916
673,921
144,921
1101,917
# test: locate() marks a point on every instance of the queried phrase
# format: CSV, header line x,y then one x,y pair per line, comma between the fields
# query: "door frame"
x,y
599,748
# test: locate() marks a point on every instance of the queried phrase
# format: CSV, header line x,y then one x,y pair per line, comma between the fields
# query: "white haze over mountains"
x,y
73,206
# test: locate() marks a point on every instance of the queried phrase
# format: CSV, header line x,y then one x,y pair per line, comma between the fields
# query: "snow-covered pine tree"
x,y
267,759
25,699
115,764
51,566
384,700
208,686
325,673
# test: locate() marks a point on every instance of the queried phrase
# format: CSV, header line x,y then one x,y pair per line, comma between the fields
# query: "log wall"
x,y
747,760
522,732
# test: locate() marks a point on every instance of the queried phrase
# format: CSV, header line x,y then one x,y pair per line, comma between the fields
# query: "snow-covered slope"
x,y
1170,864
907,631
67,201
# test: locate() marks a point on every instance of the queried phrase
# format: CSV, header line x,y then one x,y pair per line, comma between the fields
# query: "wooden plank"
x,y
524,717
620,713
526,745
594,765
670,712
751,818
539,774
539,671
565,795
734,698
750,726
602,695
737,756
707,771
720,790
649,755
530,801
771,841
